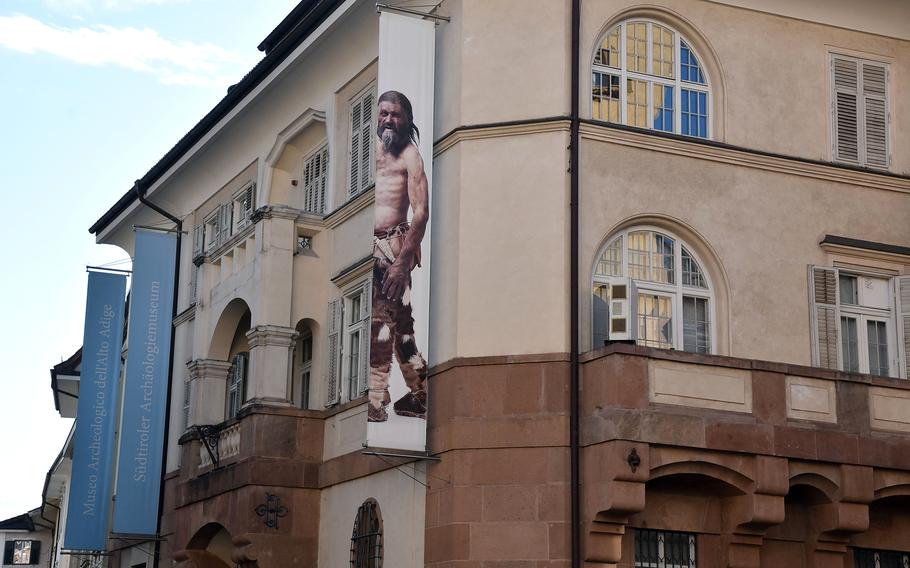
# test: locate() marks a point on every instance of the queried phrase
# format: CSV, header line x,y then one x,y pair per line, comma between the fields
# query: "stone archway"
x,y
210,547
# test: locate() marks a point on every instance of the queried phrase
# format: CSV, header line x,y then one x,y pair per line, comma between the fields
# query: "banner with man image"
x,y
397,410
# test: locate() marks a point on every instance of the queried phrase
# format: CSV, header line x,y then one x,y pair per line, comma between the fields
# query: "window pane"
x,y
22,552
878,347
663,108
610,262
664,549
696,328
691,272
637,47
694,112
655,321
662,44
651,257
608,53
849,293
689,69
637,103
849,344
605,97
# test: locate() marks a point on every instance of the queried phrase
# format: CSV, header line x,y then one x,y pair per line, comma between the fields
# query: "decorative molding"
x,y
777,164
262,335
185,316
811,399
500,131
205,368
354,272
349,208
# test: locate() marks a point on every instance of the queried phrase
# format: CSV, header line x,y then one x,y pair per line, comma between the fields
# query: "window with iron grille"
x,y
664,549
366,539
237,383
866,558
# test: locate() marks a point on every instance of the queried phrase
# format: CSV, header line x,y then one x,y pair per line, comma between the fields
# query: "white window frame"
x,y
321,153
677,290
356,373
676,82
212,230
242,215
305,371
236,386
369,130
861,142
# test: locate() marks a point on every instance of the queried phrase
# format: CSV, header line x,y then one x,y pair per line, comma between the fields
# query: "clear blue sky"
x,y
94,93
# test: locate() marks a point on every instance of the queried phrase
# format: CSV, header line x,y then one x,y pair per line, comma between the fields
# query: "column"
x,y
269,375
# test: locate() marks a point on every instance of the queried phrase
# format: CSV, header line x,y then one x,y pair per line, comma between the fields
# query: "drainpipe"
x,y
170,364
575,383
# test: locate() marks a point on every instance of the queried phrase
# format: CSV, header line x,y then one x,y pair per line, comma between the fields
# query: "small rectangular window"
x,y
859,107
243,208
664,549
696,326
866,558
849,293
213,230
655,320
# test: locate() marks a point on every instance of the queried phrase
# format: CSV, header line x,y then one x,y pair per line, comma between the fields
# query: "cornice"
x,y
500,131
349,208
185,316
829,173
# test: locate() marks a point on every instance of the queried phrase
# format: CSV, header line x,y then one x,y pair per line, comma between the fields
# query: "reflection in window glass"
x,y
608,54
600,302
610,262
694,113
696,331
637,47
878,347
637,103
849,344
690,70
662,51
22,552
655,315
849,293
691,272
605,96
663,108
651,257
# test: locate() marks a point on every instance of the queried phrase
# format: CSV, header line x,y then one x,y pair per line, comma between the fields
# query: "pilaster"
x,y
270,364
208,385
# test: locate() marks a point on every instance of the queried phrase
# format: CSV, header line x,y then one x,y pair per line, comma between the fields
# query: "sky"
x,y
93,93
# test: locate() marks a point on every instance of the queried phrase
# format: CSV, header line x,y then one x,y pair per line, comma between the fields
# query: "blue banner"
x,y
145,389
93,442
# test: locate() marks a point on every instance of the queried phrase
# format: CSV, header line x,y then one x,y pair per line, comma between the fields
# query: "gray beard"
x,y
392,141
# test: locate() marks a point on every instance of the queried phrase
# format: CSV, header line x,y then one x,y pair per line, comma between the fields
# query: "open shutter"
x,y
227,211
321,180
846,115
333,352
245,203
355,147
903,322
198,240
367,146
363,373
35,555
825,316
875,114
620,310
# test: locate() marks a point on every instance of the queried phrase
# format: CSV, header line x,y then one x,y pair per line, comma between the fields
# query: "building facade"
x,y
741,292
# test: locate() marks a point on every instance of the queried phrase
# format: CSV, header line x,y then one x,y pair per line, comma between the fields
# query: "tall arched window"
x,y
650,288
645,74
366,539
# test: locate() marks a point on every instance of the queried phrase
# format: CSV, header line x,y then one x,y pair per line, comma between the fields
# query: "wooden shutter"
x,y
333,352
825,317
875,114
35,554
224,227
903,322
845,74
367,146
363,373
314,181
355,147
198,240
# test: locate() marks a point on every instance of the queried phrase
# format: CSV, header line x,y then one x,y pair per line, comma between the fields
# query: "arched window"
x,y
650,288
366,540
645,74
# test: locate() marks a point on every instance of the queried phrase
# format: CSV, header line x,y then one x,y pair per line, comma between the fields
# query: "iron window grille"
x,y
866,558
664,549
366,539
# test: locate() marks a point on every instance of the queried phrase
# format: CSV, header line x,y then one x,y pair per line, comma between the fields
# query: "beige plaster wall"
x,y
774,70
763,226
402,503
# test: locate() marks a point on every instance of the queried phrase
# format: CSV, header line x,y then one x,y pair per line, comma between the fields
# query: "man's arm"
x,y
396,278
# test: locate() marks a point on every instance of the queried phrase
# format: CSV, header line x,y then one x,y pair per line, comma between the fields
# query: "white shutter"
x,y
322,180
621,310
875,114
363,373
333,352
846,114
245,204
198,238
314,181
902,284
355,147
825,317
227,211
367,145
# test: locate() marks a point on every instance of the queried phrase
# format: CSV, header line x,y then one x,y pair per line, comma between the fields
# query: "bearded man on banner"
x,y
401,185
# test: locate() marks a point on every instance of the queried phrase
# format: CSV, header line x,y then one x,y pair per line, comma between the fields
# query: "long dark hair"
x,y
398,98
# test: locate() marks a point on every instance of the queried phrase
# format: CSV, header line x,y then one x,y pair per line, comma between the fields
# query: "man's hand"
x,y
395,281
